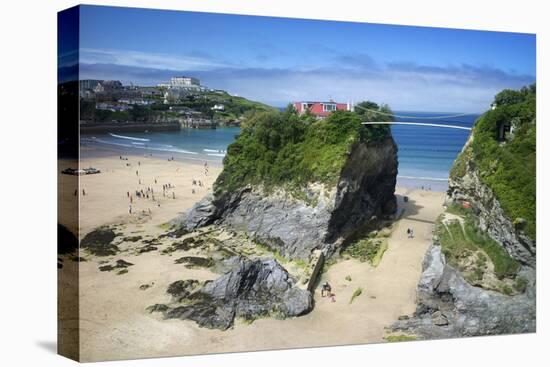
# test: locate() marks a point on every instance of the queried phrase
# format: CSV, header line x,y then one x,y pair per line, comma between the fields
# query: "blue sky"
x,y
278,60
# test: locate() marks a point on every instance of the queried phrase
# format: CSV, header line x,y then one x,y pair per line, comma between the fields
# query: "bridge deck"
x,y
418,124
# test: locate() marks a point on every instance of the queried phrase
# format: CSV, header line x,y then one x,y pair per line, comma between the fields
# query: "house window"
x,y
329,107
306,106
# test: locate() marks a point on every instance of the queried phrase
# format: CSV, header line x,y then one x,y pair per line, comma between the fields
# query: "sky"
x,y
280,60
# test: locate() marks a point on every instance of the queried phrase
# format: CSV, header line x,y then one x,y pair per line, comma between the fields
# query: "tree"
x,y
369,111
510,97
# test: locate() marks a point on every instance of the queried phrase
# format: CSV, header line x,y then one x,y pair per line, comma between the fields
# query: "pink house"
x,y
321,109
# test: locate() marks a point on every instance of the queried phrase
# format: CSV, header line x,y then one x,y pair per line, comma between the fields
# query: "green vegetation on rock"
x,y
368,249
507,167
400,338
356,294
469,249
283,149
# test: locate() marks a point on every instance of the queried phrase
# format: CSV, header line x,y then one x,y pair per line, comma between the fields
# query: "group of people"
x,y
326,291
410,233
149,193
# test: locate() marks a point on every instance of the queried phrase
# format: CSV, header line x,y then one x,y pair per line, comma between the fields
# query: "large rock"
x,y
492,219
294,227
447,306
254,288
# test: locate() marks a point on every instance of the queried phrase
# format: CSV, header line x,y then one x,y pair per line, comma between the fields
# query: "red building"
x,y
321,109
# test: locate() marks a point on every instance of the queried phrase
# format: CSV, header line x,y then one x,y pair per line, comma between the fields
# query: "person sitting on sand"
x,y
326,288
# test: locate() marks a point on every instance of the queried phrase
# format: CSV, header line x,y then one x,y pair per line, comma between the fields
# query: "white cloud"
x,y
146,59
404,86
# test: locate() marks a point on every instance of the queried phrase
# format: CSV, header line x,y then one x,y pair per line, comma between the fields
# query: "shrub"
x,y
355,294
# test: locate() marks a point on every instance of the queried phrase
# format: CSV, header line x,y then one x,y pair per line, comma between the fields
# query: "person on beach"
x,y
130,209
408,233
75,192
127,194
173,195
83,192
326,289
412,234
137,172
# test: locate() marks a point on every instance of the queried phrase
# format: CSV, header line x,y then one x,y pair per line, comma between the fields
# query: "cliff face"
x,y
493,181
468,187
450,307
323,218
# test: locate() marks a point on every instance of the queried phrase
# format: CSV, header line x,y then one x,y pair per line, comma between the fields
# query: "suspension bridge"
x,y
417,124
429,124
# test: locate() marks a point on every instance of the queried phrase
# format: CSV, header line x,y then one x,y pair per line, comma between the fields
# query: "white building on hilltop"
x,y
184,82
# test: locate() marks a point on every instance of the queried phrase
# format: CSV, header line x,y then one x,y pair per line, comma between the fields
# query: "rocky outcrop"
x,y
447,306
254,288
295,227
468,187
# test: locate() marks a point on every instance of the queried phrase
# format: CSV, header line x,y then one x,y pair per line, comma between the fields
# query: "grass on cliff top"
x,y
283,149
460,241
508,168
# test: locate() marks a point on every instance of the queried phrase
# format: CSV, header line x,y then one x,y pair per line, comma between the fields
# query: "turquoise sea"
x,y
425,153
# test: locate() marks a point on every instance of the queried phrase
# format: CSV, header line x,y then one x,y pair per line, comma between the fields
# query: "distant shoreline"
x,y
127,127
91,149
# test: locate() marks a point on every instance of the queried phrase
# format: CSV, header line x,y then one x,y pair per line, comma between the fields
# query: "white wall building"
x,y
184,82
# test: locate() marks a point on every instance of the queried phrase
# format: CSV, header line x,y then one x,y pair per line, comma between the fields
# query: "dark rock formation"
x,y
120,264
147,248
66,240
99,242
447,306
295,227
132,238
253,289
181,289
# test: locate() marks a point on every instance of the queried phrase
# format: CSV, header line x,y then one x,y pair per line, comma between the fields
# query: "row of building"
x,y
177,88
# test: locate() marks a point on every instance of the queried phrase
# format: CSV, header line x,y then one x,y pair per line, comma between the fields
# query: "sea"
x,y
425,153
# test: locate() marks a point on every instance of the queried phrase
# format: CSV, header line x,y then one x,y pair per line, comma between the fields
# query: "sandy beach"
x,y
106,196
113,318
